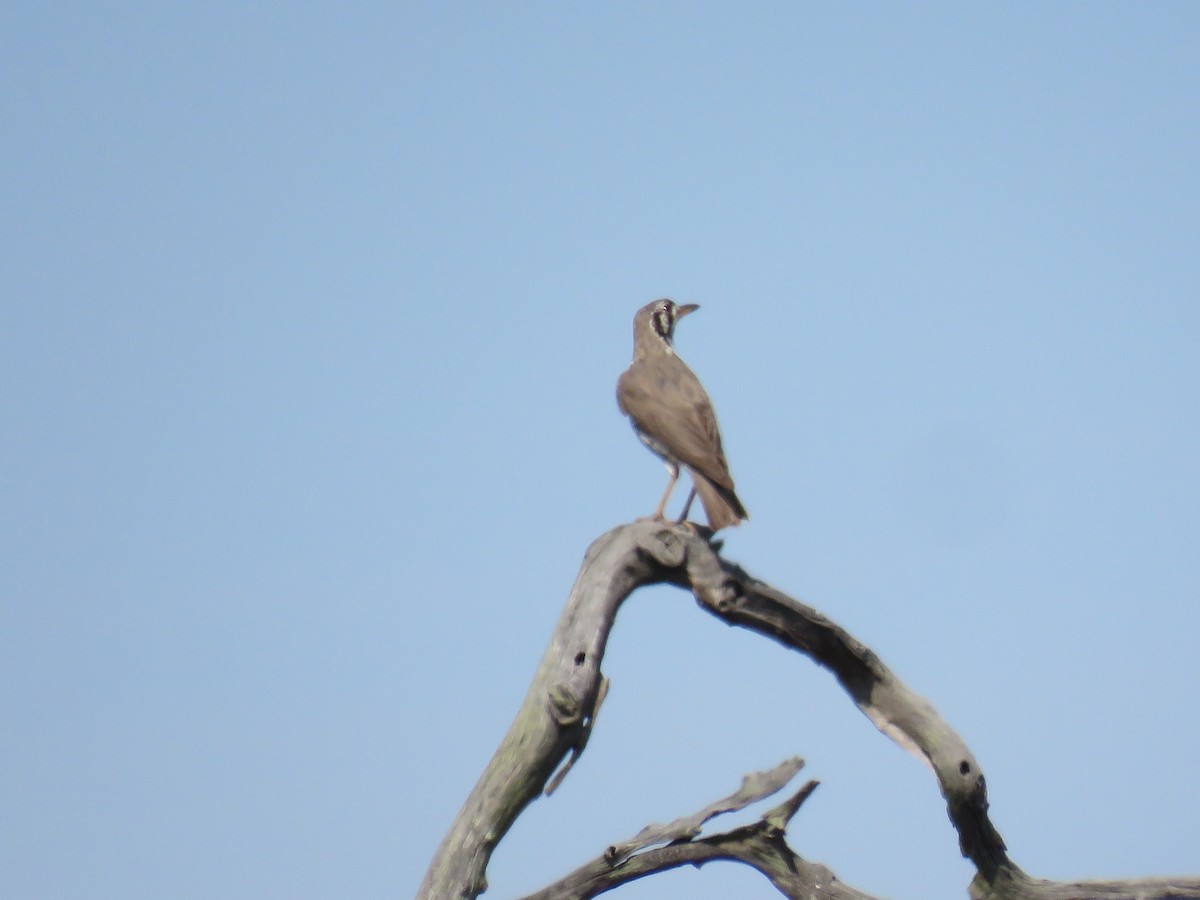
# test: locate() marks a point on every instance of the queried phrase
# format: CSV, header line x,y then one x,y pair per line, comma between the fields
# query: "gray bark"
x,y
553,723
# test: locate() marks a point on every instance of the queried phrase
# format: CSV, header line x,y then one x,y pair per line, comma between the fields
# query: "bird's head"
x,y
656,321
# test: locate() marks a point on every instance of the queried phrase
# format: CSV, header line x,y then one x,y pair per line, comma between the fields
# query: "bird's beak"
x,y
681,311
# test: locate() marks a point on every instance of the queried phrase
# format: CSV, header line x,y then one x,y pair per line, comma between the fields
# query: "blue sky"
x,y
314,314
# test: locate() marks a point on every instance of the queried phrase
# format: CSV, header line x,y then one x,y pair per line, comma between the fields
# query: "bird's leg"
x,y
662,504
687,507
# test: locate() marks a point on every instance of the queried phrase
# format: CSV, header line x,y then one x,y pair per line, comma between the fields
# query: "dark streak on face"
x,y
663,320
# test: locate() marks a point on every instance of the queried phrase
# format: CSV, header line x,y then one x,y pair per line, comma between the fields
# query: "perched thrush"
x,y
673,416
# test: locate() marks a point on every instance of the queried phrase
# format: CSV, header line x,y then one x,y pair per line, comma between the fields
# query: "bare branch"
x,y
731,594
557,714
760,845
555,717
754,788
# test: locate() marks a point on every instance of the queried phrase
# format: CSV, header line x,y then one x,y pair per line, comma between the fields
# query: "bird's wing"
x,y
680,417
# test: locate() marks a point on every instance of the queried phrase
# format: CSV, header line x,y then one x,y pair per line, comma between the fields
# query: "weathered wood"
x,y
555,720
760,845
556,715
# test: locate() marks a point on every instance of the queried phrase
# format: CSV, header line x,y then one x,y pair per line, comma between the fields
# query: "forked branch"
x,y
760,845
556,716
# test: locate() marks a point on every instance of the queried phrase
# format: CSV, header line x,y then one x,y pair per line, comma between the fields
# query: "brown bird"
x,y
673,416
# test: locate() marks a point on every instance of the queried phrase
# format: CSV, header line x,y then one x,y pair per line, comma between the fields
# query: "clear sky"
x,y
312,317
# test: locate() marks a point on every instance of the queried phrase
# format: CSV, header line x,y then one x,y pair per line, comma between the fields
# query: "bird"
x,y
672,415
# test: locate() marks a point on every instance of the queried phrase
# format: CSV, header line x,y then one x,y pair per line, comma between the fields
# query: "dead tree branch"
x,y
556,717
760,845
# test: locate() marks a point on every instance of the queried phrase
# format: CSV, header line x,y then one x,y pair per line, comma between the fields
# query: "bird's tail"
x,y
721,504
